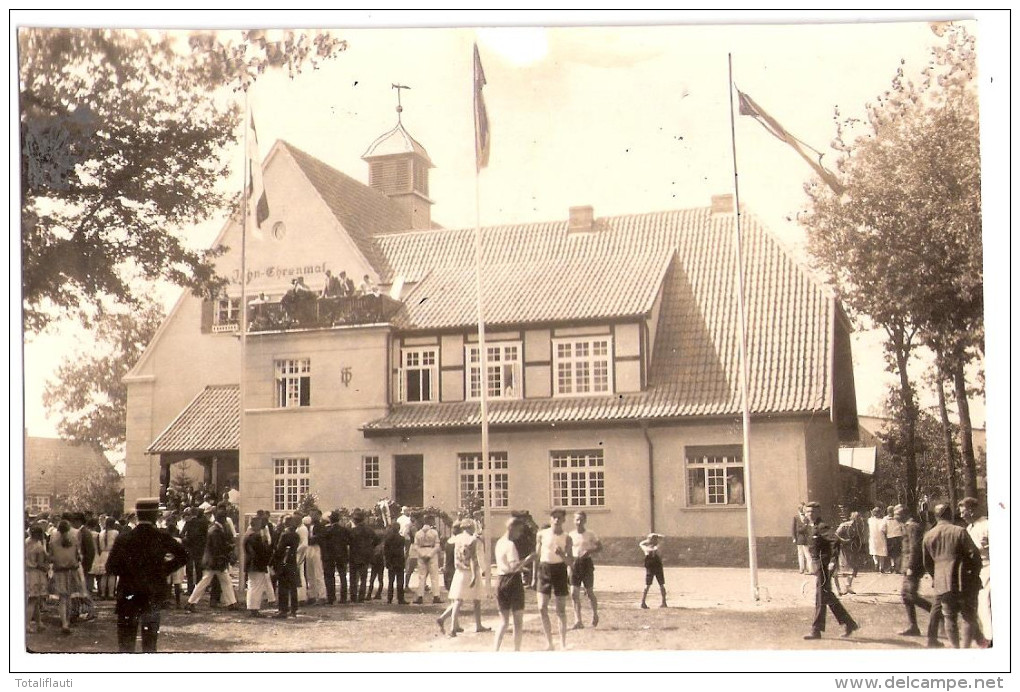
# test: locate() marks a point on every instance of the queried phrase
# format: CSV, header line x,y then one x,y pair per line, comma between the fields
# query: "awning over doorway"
x,y
210,423
859,459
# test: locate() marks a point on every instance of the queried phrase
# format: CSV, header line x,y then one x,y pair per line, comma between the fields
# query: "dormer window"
x,y
583,366
503,365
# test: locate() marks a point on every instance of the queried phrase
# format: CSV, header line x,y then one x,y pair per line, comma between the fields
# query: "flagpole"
x,y
243,322
752,548
476,84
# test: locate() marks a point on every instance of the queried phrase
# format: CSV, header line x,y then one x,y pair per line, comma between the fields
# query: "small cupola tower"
x,y
398,167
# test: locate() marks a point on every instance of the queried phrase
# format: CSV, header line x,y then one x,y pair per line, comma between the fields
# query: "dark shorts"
x,y
510,592
894,546
653,570
583,573
552,579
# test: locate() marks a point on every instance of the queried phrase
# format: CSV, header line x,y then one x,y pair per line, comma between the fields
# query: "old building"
x,y
52,465
612,364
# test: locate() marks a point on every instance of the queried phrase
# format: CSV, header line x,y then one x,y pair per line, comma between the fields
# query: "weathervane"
x,y
400,109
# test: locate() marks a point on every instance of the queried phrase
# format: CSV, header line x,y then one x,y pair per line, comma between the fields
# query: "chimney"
x,y
722,204
582,219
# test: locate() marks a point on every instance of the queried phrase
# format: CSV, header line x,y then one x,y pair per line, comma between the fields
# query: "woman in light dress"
x,y
876,539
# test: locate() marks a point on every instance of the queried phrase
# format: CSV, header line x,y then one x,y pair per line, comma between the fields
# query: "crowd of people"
x,y
951,549
155,557
339,301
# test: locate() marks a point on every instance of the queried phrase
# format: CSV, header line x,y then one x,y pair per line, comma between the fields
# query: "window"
x,y
227,315
37,503
583,366
715,476
370,472
293,382
503,364
471,472
418,377
290,482
578,479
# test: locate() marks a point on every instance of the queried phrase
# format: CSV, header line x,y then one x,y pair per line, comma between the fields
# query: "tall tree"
x,y
124,138
87,394
903,242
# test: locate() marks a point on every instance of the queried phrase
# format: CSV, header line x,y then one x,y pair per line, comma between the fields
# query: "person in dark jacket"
x,y
954,563
196,526
142,560
912,564
335,543
823,545
363,540
257,556
219,549
378,567
286,568
393,554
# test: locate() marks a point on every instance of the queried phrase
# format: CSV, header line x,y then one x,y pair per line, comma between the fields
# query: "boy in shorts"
x,y
554,553
584,544
509,587
653,567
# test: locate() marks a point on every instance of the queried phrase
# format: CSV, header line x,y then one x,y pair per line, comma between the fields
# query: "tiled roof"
x,y
51,464
362,211
210,423
545,290
695,361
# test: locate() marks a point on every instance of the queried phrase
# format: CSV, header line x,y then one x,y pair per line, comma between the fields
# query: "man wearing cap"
x,y
977,528
554,550
143,560
219,548
954,563
822,544
912,565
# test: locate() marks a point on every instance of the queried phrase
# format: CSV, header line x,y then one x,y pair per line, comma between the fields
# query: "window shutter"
x,y
306,391
207,315
401,386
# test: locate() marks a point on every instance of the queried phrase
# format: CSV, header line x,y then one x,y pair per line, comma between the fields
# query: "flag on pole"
x,y
481,117
749,107
256,190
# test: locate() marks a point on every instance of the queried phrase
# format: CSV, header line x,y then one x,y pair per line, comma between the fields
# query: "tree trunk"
x,y
901,349
947,436
966,435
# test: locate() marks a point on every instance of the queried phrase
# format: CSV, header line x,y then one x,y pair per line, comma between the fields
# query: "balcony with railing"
x,y
308,311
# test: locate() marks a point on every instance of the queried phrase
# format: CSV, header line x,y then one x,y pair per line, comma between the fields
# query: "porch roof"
x,y
210,423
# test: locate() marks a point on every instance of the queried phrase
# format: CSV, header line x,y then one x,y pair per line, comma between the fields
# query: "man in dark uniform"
x,y
143,560
954,563
335,542
822,544
913,569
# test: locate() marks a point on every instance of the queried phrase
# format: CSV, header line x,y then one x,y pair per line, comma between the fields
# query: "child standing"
x,y
37,565
653,567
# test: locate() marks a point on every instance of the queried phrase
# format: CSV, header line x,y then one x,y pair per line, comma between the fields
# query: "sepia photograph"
x,y
624,341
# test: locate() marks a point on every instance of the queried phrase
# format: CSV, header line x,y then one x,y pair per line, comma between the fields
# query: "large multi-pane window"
x,y
503,365
370,471
419,374
715,476
291,482
293,382
227,314
471,472
578,478
37,503
583,366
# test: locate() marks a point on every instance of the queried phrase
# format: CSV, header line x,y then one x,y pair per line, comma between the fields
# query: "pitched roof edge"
x,y
184,410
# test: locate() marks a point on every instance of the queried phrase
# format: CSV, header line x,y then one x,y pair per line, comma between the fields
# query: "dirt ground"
x,y
709,609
